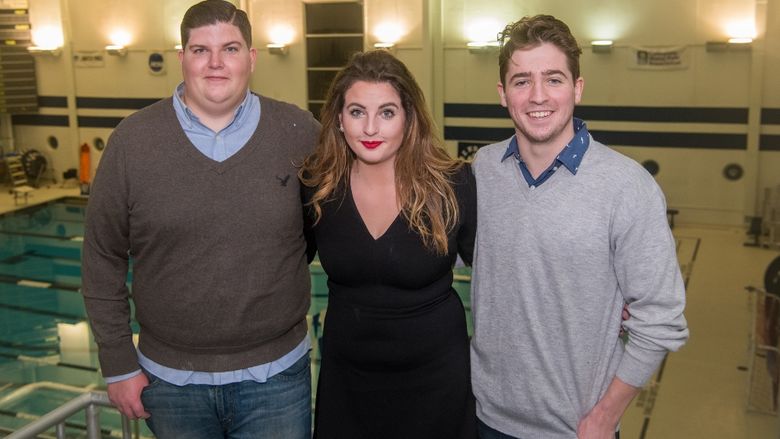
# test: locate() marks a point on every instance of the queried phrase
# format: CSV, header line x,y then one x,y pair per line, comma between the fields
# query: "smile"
x,y
371,144
539,114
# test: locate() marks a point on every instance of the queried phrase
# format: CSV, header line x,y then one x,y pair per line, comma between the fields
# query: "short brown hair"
x,y
209,12
529,32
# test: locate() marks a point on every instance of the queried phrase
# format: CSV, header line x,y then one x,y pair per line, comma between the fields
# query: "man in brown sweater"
x,y
199,193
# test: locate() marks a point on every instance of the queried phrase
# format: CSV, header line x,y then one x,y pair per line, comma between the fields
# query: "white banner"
x,y
658,58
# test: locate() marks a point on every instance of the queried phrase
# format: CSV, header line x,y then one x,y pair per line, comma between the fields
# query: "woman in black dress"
x,y
389,211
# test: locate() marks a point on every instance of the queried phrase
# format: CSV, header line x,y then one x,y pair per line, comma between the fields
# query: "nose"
x,y
215,60
538,92
370,127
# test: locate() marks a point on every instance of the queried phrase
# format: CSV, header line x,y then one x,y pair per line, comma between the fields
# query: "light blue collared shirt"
x,y
218,147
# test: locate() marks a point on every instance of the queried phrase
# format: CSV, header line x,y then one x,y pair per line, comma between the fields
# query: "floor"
x,y
702,390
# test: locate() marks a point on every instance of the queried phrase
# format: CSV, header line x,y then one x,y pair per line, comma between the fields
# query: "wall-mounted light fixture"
x,y
116,50
120,39
730,45
277,48
281,36
47,40
39,50
601,46
388,34
483,46
178,47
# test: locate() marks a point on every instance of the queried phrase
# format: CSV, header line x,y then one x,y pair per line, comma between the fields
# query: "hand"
x,y
625,315
126,396
594,426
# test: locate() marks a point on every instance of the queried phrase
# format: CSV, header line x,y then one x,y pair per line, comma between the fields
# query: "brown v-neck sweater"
x,y
220,279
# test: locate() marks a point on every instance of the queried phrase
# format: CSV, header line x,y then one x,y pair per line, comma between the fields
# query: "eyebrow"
x,y
229,43
388,104
550,72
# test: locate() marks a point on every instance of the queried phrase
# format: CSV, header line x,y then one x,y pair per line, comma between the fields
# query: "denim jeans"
x,y
486,432
278,408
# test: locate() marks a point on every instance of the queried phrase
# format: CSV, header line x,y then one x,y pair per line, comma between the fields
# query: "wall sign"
x,y
156,63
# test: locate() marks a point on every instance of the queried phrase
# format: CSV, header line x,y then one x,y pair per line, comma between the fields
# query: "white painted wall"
x,y
691,178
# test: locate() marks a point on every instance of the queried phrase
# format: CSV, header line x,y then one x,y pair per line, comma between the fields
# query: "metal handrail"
x,y
89,402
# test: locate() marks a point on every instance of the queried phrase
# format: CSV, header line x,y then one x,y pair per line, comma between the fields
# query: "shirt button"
x,y
533,187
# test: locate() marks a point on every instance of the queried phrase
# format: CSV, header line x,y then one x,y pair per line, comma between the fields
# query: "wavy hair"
x,y
423,169
529,32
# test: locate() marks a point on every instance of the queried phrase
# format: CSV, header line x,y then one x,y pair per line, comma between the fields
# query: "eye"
x,y
356,112
232,49
387,113
521,83
555,81
198,50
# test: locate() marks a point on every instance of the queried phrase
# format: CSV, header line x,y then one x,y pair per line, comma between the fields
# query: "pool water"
x,y
47,355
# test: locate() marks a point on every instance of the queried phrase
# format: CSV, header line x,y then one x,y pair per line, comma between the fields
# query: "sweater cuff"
x,y
118,359
637,372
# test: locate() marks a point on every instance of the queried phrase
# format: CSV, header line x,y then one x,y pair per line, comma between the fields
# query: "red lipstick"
x,y
371,144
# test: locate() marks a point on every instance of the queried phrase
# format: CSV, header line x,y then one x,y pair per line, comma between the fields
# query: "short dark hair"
x,y
209,12
529,32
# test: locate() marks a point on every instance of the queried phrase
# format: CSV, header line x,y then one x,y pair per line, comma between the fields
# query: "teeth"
x,y
540,114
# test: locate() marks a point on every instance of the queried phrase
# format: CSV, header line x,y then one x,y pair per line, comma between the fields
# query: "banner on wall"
x,y
658,58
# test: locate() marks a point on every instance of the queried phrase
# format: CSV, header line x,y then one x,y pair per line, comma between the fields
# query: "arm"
x,y
466,191
603,418
105,264
648,274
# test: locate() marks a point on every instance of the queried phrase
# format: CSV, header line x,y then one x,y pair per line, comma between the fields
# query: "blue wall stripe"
x,y
770,116
53,101
614,138
115,103
39,119
769,142
99,122
623,114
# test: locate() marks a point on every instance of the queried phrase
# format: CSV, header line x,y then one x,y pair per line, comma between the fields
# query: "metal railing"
x,y
90,402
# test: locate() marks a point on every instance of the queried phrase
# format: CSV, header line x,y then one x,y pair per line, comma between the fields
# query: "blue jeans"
x,y
278,408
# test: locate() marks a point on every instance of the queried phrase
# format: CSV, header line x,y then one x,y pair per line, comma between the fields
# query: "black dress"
x,y
395,352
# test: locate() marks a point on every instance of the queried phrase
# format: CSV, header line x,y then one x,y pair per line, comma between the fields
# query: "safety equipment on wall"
x,y
34,165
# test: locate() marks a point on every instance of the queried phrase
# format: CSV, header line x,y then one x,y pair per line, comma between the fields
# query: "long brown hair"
x,y
422,168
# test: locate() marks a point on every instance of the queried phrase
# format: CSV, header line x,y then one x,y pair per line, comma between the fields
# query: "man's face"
x,y
216,65
540,95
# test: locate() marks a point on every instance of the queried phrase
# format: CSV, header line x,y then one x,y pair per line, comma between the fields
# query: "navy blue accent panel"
x,y
614,138
53,101
475,111
770,116
769,142
39,119
477,133
99,122
623,113
115,103
671,140
662,114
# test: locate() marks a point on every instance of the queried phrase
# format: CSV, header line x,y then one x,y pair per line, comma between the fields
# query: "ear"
x,y
252,58
181,55
501,93
579,85
341,124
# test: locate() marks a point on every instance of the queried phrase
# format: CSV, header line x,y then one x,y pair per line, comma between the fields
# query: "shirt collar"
x,y
190,118
571,154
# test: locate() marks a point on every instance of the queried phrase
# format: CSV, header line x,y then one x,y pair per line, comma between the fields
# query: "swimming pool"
x,y
47,355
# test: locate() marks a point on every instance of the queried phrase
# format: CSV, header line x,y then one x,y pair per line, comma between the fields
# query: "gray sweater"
x,y
553,266
220,277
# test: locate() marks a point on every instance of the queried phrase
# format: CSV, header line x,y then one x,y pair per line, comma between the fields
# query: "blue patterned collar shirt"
x,y
569,157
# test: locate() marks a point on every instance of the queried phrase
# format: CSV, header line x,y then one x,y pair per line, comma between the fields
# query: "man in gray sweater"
x,y
200,191
569,232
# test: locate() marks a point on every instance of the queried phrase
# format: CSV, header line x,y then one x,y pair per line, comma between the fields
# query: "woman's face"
x,y
373,121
